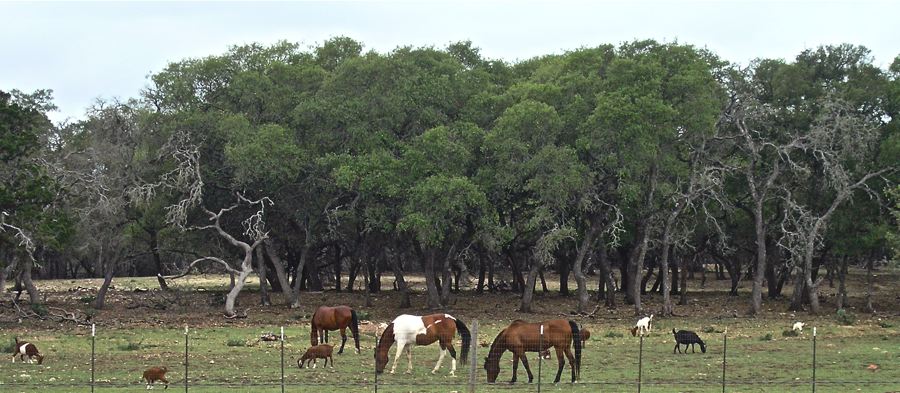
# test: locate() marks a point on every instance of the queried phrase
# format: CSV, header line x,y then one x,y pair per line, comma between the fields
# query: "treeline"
x,y
617,163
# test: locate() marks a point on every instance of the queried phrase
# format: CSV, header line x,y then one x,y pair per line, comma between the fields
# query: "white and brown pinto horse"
x,y
408,330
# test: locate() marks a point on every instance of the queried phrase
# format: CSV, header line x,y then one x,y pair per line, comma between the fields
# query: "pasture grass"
x,y
610,362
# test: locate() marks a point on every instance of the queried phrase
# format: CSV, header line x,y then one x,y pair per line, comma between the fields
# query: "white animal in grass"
x,y
798,327
642,326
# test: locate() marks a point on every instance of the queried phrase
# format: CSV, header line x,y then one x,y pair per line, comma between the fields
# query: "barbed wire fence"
x,y
476,379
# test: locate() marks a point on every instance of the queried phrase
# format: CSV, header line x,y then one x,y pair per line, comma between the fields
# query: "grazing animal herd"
x,y
412,330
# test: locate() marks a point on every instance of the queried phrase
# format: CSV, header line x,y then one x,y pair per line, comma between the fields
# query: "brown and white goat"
x,y
321,351
153,374
642,326
23,349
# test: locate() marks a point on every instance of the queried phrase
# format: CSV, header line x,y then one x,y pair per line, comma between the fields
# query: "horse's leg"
x,y
561,361
527,368
315,362
332,361
326,335
452,358
515,368
440,360
571,363
343,340
409,358
400,346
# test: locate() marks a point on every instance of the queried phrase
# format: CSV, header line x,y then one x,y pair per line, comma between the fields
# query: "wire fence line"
x,y
474,376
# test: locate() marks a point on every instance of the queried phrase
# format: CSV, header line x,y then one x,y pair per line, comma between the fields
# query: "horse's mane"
x,y
384,343
495,352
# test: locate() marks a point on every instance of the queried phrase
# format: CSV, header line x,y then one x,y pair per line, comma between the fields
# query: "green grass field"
x,y
229,359
224,355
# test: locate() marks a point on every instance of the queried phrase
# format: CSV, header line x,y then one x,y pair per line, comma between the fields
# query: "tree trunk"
x,y
100,302
667,308
33,295
606,278
479,288
446,277
313,278
157,259
246,271
261,271
298,272
635,267
432,294
870,284
397,266
842,288
337,267
280,274
797,297
578,265
367,289
563,267
761,258
683,300
528,294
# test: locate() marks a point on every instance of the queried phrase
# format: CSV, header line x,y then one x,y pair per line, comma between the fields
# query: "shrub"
x,y
236,342
614,334
40,309
790,333
711,329
131,346
767,337
87,299
885,325
363,315
845,318
9,348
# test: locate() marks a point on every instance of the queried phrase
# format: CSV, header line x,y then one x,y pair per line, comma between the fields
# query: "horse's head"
x,y
492,367
381,350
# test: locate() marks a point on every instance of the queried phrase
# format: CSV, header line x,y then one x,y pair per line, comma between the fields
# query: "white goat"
x,y
798,327
643,325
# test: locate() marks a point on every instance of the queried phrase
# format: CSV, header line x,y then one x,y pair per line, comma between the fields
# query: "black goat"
x,y
687,337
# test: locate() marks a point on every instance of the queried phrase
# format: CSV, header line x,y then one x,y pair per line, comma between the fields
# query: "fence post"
x,y
540,356
724,350
93,340
282,359
185,358
473,358
640,362
814,361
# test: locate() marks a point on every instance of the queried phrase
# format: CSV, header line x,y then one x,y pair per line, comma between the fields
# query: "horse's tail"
x,y
354,328
466,340
314,330
576,341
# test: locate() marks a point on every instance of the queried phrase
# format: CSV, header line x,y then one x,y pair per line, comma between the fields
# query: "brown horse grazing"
x,y
520,337
409,330
334,318
585,336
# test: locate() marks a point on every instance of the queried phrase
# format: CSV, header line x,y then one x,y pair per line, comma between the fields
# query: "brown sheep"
x,y
154,374
23,349
321,351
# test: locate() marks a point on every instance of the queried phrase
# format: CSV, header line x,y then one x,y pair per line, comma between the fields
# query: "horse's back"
x,y
408,326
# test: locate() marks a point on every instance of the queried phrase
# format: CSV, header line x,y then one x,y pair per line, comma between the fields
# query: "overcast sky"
x,y
107,49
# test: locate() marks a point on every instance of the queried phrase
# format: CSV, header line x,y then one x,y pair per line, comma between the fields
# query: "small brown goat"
x,y
321,351
153,374
23,349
